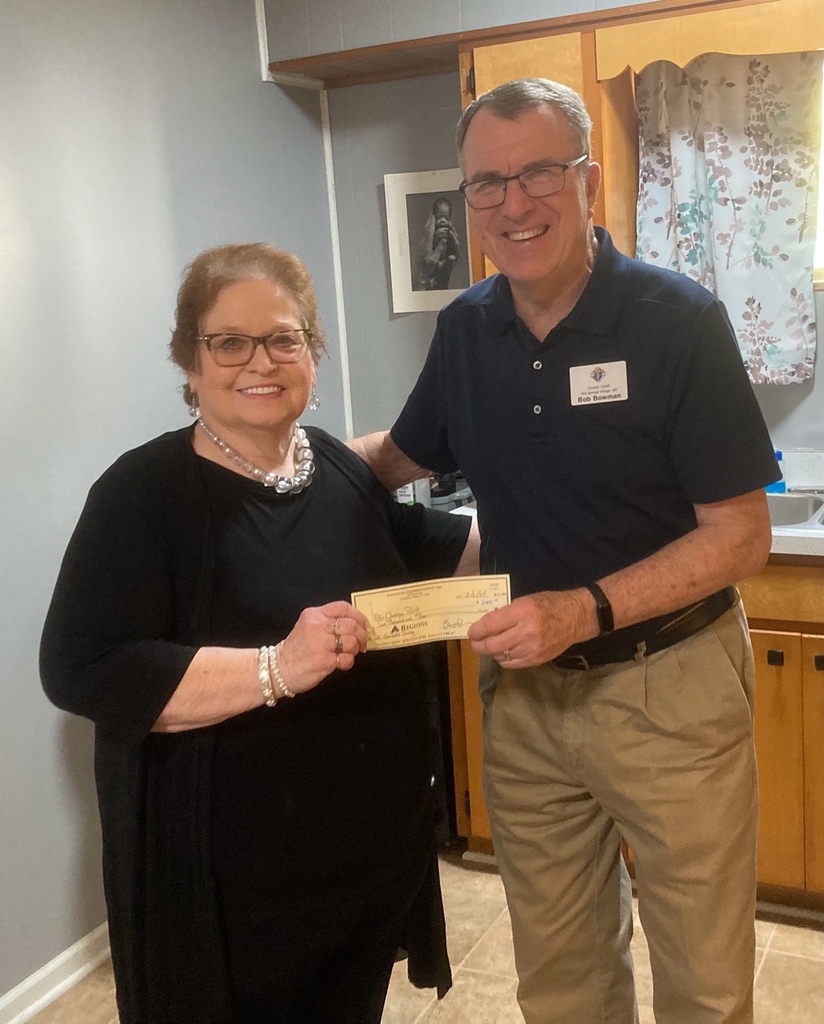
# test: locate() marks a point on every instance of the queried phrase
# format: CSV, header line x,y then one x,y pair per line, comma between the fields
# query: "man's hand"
x,y
536,628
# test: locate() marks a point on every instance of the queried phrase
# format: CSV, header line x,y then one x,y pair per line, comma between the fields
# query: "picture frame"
x,y
428,233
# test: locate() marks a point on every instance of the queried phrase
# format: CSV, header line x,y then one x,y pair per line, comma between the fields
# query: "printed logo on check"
x,y
598,383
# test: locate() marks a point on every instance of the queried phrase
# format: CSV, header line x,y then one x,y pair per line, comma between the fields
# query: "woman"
x,y
263,783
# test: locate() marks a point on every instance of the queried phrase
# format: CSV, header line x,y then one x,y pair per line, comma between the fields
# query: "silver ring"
x,y
337,661
338,643
507,654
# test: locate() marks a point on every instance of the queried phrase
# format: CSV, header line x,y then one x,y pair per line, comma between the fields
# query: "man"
x,y
600,412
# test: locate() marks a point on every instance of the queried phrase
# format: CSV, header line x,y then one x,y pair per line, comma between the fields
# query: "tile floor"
x,y
789,987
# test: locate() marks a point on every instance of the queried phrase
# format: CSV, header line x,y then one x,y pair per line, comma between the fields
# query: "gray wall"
x,y
132,135
384,129
298,28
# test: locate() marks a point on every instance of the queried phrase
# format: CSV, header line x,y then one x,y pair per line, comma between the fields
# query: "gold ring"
x,y
337,661
335,625
338,644
507,654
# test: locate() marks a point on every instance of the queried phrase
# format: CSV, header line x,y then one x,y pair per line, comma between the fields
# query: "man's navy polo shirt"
x,y
568,494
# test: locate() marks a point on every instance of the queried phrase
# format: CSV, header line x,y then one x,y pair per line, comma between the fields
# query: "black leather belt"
x,y
624,644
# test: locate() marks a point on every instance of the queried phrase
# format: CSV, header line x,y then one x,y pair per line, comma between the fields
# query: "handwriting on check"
x,y
418,613
390,617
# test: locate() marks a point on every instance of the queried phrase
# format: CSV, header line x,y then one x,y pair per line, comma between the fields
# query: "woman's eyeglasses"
x,y
239,349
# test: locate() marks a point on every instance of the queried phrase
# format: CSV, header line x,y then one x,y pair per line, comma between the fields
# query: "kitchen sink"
x,y
796,510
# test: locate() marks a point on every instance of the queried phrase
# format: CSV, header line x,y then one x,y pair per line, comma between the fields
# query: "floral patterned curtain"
x,y
729,150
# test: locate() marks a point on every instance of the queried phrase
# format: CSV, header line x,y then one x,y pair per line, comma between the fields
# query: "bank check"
x,y
417,613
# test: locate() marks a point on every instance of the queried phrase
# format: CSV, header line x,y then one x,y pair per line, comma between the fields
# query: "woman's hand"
x,y
324,639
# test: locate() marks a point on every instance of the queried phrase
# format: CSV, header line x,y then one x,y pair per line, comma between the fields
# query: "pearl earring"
x,y
314,401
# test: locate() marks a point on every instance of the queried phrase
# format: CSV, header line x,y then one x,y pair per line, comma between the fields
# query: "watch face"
x,y
606,620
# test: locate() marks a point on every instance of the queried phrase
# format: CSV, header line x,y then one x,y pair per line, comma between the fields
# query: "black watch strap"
x,y
606,622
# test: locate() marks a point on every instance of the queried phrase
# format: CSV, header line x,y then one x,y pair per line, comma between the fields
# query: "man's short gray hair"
x,y
512,99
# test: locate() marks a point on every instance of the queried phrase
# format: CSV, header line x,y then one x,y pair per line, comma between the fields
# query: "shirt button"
x,y
536,409
537,364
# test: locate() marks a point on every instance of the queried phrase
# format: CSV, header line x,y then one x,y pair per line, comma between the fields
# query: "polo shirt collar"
x,y
596,311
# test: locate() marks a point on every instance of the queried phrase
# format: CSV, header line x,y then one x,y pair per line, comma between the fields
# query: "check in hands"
x,y
323,639
534,629
528,632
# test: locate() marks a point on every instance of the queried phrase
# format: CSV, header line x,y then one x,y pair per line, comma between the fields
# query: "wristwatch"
x,y
606,622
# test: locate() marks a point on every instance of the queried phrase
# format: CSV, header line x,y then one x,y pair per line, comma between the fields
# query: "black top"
x,y
570,493
132,604
321,794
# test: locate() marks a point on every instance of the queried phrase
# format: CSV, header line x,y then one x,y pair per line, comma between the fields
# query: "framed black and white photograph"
x,y
428,239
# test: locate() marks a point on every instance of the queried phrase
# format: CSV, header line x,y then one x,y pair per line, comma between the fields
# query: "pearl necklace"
x,y
304,460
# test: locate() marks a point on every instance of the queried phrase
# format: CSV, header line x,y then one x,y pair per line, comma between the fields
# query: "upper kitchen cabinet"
x,y
297,29
357,42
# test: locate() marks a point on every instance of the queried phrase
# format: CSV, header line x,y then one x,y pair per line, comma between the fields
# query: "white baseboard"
x,y
56,977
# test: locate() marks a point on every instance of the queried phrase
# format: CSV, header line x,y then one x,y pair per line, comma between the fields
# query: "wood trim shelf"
x,y
437,55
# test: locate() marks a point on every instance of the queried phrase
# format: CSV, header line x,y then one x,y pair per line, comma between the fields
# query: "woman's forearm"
x,y
219,683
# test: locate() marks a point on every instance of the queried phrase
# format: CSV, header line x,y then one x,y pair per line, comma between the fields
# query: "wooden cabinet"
x,y
779,747
812,682
789,737
785,606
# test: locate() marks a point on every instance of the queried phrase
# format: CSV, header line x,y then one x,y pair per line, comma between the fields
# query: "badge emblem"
x,y
598,374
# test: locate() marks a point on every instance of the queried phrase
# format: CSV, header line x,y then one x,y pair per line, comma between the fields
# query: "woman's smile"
x,y
262,390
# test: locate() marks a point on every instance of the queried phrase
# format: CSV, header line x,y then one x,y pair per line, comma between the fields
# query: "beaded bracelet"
x,y
274,667
265,677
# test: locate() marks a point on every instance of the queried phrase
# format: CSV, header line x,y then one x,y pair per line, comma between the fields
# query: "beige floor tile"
x,y
791,938
477,999
494,954
789,990
473,900
763,931
404,1002
91,1001
459,877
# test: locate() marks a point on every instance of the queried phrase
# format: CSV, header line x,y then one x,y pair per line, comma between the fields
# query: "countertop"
x,y
789,540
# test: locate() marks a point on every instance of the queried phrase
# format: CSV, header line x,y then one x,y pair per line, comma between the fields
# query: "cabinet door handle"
x,y
775,657
818,661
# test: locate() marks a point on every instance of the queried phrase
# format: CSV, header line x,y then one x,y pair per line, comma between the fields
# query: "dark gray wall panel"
x,y
382,129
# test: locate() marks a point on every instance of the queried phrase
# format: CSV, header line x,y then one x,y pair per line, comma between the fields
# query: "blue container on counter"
x,y
780,486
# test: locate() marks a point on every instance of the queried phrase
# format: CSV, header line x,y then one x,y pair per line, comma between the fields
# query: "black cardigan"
x,y
127,616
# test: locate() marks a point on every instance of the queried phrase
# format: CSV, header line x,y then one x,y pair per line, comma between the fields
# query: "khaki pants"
x,y
658,751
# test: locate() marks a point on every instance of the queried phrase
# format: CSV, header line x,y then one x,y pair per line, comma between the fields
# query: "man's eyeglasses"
x,y
239,349
540,182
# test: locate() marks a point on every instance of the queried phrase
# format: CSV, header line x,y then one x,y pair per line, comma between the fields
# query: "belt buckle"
x,y
579,662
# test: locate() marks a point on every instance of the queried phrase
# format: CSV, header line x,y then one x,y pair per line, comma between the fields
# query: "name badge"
x,y
598,383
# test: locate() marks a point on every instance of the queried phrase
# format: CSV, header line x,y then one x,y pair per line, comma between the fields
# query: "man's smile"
x,y
524,236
